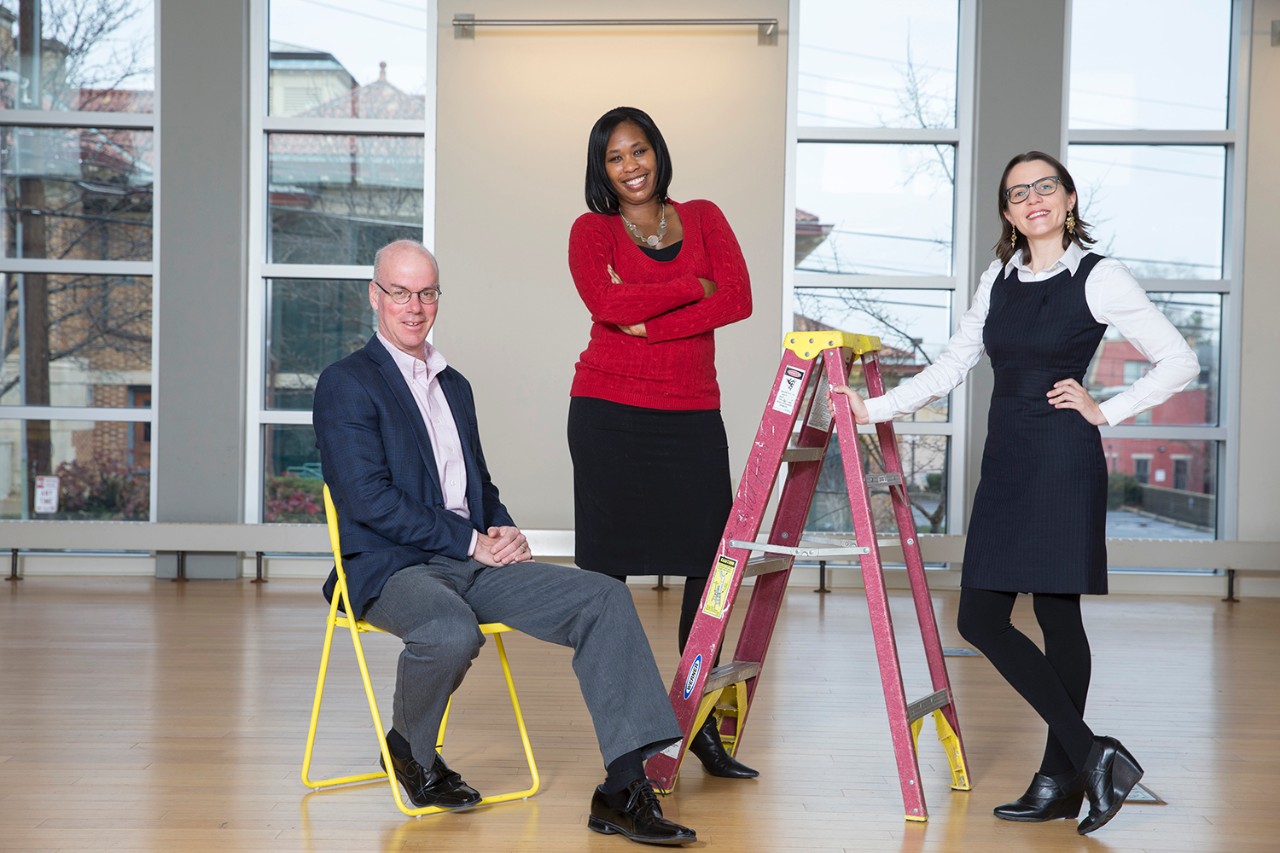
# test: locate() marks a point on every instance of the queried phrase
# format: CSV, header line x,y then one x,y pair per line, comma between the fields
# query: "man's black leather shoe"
x,y
716,760
1048,798
437,786
634,813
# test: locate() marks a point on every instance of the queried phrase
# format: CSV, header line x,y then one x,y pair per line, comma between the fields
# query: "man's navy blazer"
x,y
377,461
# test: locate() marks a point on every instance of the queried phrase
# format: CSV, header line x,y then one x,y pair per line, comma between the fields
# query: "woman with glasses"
x,y
1038,524
652,489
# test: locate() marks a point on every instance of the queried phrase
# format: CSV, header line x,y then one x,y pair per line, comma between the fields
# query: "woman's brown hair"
x,y
1006,245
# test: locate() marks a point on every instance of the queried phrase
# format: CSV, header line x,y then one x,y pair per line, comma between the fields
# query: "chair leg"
x,y
315,714
535,781
380,731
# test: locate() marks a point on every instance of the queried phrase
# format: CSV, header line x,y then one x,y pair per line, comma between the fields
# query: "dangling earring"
x,y
1013,239
1071,222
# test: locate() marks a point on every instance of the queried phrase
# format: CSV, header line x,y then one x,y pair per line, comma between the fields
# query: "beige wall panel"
x,y
1259,389
514,110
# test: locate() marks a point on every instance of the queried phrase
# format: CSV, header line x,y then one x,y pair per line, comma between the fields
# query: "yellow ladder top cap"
x,y
809,345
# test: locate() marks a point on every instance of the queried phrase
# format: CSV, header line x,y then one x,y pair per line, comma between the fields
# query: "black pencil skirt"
x,y
652,490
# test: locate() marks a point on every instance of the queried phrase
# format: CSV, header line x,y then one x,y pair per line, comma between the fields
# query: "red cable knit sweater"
x,y
674,367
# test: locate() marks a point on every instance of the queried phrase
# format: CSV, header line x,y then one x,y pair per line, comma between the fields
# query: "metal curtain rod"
x,y
464,25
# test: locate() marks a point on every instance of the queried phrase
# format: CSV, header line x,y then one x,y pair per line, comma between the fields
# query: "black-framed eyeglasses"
x,y
400,296
1018,193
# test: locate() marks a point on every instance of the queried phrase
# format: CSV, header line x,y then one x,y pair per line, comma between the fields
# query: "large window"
x,y
341,170
880,179
1152,148
876,183
77,167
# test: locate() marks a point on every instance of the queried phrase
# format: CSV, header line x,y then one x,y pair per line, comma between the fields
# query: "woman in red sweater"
x,y
652,489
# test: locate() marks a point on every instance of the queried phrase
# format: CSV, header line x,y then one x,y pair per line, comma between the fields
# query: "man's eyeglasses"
x,y
400,296
1018,193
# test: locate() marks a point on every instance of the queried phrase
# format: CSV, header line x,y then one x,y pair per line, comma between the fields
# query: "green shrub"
x,y
1123,490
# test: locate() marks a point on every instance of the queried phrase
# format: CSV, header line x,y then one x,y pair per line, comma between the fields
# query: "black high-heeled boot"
x,y
706,744
1109,775
1048,798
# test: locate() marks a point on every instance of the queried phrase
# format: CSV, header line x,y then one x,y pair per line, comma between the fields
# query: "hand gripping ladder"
x,y
818,360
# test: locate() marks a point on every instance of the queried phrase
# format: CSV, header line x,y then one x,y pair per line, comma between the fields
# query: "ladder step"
x,y
766,566
802,550
730,673
927,705
883,479
803,454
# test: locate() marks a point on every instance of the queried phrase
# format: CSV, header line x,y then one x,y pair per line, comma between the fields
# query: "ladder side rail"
x,y
910,539
794,503
878,602
754,490
919,582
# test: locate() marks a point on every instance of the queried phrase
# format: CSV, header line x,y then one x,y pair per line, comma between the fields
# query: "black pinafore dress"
x,y
1040,513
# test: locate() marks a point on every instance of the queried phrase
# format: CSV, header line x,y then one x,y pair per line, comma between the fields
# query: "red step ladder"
x,y
811,361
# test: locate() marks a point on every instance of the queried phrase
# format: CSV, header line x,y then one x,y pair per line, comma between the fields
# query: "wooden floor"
x,y
141,715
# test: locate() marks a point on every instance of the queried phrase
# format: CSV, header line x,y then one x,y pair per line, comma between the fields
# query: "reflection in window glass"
x,y
1157,208
311,325
348,59
102,470
1161,488
96,56
293,485
337,199
873,64
924,464
77,193
75,340
1136,66
913,327
875,209
1118,364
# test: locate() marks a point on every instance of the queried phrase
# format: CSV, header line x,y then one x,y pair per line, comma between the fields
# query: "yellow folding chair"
x,y
339,618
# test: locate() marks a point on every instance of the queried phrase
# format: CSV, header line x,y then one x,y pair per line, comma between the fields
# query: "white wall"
x,y
1260,388
514,110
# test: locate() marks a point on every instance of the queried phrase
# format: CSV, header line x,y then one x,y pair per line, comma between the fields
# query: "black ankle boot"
x,y
1048,798
1109,775
706,744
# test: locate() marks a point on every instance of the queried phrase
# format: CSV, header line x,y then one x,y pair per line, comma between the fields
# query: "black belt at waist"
x,y
1027,381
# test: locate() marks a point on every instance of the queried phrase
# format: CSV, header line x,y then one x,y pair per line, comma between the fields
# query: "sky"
x,y
360,34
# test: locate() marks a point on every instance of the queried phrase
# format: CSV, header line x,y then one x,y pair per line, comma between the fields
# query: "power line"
x,y
365,15
882,59
1187,104
1140,168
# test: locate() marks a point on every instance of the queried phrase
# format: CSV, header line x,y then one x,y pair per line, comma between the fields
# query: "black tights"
x,y
693,588
1054,682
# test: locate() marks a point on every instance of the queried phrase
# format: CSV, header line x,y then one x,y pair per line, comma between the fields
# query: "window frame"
x,y
149,122
961,139
1233,140
261,126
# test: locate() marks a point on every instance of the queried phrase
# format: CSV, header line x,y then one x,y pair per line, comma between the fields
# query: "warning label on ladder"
x,y
789,388
718,587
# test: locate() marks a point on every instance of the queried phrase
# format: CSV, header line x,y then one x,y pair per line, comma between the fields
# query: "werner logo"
x,y
693,676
